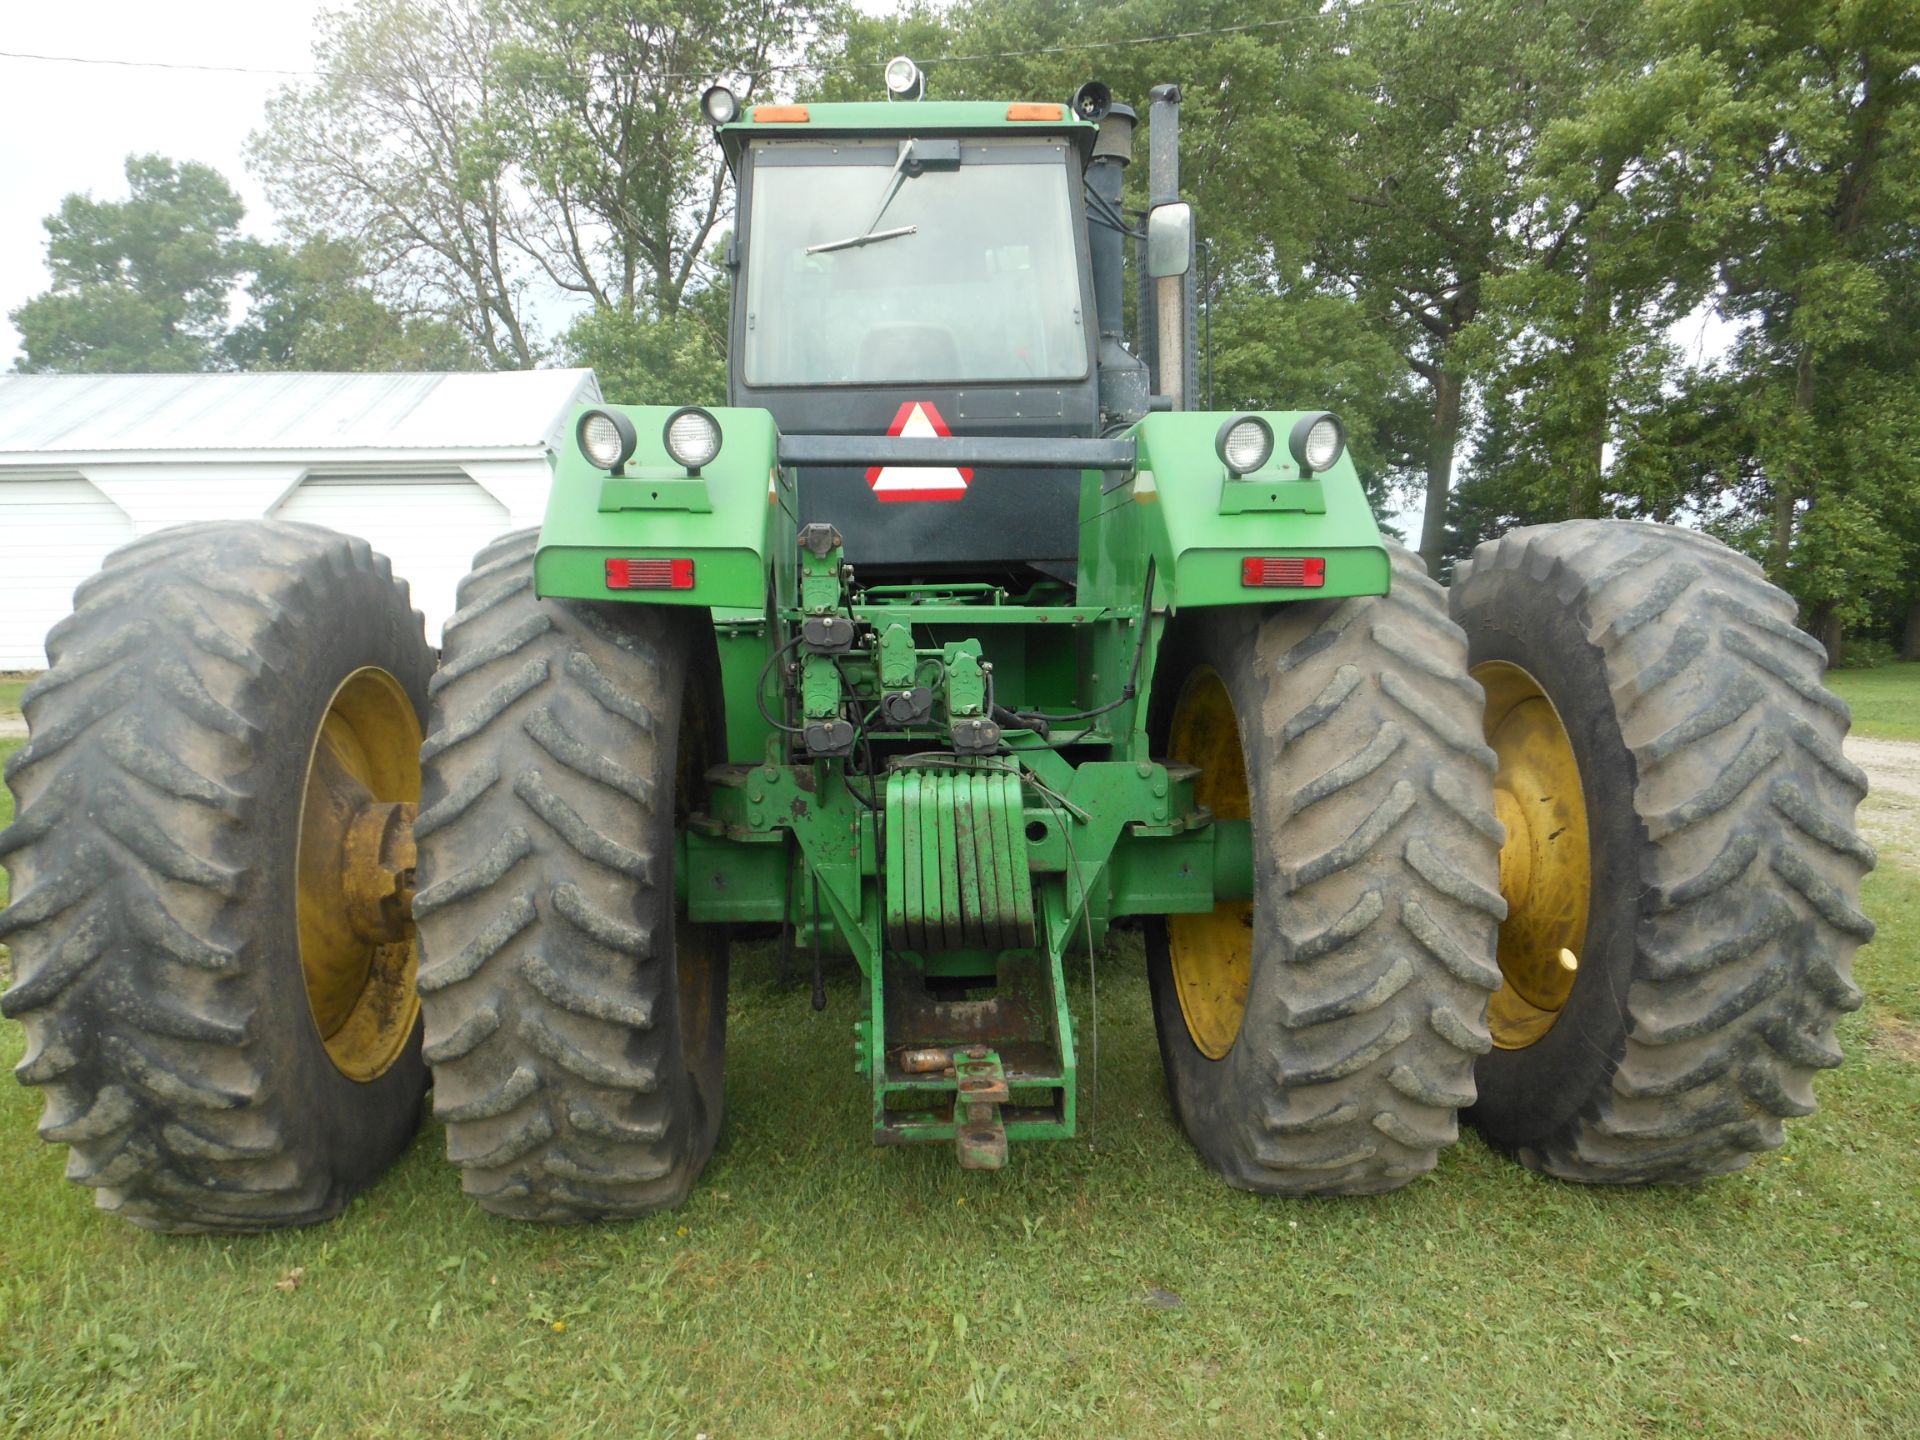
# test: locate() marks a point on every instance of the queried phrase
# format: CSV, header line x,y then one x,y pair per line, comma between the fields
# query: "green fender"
x,y
1198,523
725,519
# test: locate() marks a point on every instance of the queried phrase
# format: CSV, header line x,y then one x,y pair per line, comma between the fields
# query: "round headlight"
x,y
904,80
693,437
1317,442
606,438
1244,443
719,105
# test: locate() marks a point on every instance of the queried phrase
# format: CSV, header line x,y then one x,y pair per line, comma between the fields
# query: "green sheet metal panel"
x,y
730,542
1181,508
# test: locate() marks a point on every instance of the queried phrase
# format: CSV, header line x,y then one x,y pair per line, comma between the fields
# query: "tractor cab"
x,y
934,270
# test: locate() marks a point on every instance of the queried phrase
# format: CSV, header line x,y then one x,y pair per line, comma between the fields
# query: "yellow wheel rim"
x,y
1212,955
1546,872
355,864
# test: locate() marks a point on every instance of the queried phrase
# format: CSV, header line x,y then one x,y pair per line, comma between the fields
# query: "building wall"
x,y
57,523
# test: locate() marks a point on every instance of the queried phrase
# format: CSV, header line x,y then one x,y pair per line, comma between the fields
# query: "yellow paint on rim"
x,y
1546,868
1212,954
354,867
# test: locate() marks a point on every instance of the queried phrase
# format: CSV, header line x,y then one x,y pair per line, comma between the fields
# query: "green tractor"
x,y
959,637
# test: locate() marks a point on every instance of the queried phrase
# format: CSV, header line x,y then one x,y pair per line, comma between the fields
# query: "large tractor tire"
x,y
1320,1038
576,1023
210,948
1681,863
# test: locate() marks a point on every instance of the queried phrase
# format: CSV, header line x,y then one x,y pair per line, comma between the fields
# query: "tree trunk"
x,y
1824,626
1441,442
1910,635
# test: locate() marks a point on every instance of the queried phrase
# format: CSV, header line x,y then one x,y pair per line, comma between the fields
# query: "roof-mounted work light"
x,y
720,105
904,80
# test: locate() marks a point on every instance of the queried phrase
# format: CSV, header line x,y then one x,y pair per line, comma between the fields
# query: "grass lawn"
x,y
1885,699
10,687
816,1286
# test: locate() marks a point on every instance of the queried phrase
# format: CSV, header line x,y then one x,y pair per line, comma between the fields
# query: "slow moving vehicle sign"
x,y
919,420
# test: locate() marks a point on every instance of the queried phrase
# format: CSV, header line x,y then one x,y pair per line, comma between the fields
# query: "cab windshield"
x,y
969,272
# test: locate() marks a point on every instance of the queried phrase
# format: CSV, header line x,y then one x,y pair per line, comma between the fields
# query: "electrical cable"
x,y
1128,690
1110,215
760,690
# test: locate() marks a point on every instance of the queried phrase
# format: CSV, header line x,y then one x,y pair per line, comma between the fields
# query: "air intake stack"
x,y
1123,378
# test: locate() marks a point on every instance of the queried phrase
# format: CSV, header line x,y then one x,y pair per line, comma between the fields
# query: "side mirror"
x,y
1170,240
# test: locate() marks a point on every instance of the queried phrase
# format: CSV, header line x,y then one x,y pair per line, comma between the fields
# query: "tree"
x,y
1811,202
644,359
601,112
140,284
491,157
395,149
1441,202
312,309
1573,351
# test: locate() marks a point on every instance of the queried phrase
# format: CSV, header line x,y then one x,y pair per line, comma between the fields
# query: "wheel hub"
x,y
1212,954
1545,863
355,868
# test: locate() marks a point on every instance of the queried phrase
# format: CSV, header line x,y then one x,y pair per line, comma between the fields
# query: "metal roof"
x,y
43,415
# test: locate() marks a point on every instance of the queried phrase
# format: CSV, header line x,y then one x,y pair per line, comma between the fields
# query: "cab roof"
x,y
905,117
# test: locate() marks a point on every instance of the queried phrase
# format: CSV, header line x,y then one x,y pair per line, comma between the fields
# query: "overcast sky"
x,y
71,127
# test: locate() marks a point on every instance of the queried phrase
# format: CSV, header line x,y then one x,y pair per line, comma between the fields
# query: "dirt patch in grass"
x,y
1896,1037
1890,818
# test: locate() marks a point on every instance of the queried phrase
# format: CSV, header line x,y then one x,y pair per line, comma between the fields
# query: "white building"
x,y
426,467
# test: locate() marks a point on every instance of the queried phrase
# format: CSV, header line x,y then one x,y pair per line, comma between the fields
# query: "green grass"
x,y
816,1286
1885,699
10,688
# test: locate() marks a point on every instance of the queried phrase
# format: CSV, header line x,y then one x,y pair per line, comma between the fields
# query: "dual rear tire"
x,y
1641,842
1321,1038
212,884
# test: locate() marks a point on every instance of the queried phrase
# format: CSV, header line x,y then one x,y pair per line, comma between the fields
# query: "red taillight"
x,y
649,574
1283,571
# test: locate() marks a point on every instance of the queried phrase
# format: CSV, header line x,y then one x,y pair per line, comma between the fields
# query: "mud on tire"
x,y
1375,900
152,926
1725,866
575,1025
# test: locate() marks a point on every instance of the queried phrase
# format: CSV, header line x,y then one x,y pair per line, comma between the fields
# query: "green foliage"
x,y
139,284
651,359
596,101
147,284
492,157
312,309
1474,226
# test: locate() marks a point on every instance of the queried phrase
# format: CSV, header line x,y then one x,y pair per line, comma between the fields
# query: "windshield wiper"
x,y
869,235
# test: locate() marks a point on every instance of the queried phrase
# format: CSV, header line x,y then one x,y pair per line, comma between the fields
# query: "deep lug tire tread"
x,y
150,961
1375,839
547,977
1750,866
